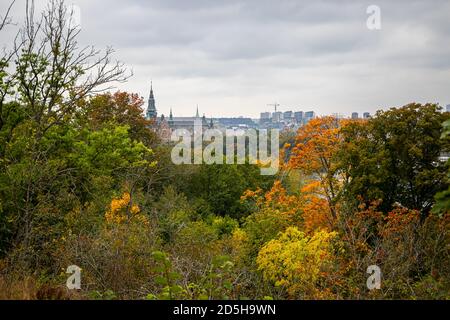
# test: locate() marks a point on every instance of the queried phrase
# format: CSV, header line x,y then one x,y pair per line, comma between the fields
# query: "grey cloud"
x,y
314,53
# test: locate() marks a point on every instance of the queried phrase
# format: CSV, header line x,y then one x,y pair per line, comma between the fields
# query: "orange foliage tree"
x,y
121,108
314,153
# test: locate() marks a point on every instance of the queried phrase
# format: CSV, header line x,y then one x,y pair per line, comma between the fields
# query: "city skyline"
x,y
281,120
279,112
281,109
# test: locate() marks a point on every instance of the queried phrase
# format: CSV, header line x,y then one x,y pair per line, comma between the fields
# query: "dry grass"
x,y
28,289
25,289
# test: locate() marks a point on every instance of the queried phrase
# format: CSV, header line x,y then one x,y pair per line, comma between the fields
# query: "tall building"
x,y
447,108
287,115
355,115
308,115
264,117
151,107
298,116
277,116
366,115
170,122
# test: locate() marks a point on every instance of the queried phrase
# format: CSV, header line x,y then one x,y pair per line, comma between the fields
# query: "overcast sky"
x,y
235,57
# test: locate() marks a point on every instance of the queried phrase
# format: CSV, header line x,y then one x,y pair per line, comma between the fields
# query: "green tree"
x,y
43,82
395,157
443,198
121,108
223,185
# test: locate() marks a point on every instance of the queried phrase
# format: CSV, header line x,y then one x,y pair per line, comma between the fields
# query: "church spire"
x,y
151,107
151,90
170,117
196,114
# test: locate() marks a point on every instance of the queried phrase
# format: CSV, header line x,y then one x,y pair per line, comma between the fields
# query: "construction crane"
x,y
275,105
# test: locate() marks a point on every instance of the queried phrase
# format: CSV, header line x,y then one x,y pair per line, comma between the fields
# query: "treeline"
x,y
85,181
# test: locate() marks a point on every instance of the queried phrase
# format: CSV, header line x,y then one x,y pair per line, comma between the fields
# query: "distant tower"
x,y
151,108
196,114
170,118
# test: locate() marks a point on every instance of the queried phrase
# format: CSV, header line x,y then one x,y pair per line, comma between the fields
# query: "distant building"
x,y
308,116
164,127
355,115
298,116
277,116
366,115
265,115
287,115
447,108
151,107
186,122
239,122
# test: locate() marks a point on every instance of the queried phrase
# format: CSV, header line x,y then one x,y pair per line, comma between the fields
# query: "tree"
x,y
395,157
52,73
121,108
222,186
5,18
7,78
314,153
46,84
297,262
442,198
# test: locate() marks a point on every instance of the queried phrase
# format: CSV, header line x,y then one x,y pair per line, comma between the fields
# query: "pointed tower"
x,y
196,114
151,108
170,118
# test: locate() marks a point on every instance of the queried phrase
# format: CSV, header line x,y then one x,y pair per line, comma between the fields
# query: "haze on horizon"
x,y
232,58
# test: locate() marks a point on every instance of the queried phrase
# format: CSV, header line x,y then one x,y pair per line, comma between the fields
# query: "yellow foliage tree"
x,y
123,210
297,262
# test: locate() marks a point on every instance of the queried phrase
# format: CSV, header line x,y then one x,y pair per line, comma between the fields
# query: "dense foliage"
x,y
85,180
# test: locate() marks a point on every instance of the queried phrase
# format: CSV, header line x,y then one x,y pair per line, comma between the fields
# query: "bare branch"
x,y
54,73
5,20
